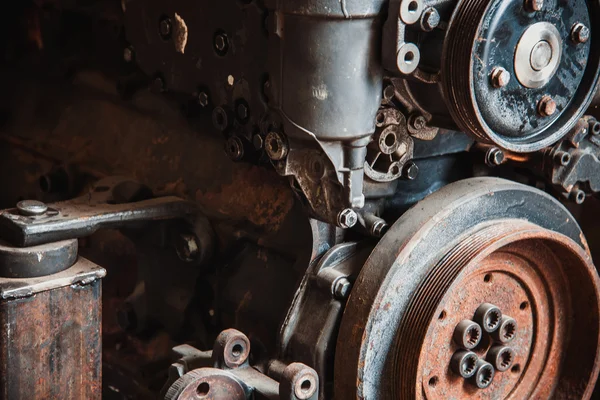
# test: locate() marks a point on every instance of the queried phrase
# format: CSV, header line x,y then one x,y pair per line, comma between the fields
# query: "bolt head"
x,y
495,157
342,288
430,19
203,99
500,77
410,171
31,208
221,43
580,33
534,5
258,142
419,122
547,106
347,218
128,54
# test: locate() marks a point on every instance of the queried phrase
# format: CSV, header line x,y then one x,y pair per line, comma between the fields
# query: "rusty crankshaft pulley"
x,y
477,292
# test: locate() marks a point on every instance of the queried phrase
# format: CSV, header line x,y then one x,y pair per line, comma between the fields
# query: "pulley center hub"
x,y
538,55
541,55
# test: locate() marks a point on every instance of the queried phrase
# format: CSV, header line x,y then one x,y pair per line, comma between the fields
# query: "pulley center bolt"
x,y
541,55
464,363
484,375
467,334
500,77
488,316
507,330
580,33
31,208
501,357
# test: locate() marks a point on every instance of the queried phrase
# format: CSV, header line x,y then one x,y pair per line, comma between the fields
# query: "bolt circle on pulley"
x,y
488,252
537,49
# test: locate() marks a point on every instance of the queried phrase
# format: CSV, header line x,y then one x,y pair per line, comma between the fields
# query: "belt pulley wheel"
x,y
476,242
520,78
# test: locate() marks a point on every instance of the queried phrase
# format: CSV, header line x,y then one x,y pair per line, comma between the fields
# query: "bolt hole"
x,y
487,278
413,6
524,305
306,386
409,57
390,140
473,336
380,118
237,350
434,381
492,320
505,359
395,170
203,389
565,159
515,369
442,315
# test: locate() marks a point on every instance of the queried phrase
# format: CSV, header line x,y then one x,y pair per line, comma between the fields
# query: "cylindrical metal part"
x,y
488,316
467,334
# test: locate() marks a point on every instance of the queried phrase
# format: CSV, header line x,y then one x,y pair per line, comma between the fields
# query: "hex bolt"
x,y
221,43
276,146
187,247
580,33
203,99
563,158
464,363
494,157
347,218
341,288
467,334
430,19
484,375
31,208
234,148
534,5
488,316
547,106
500,77
128,54
164,28
501,357
418,122
410,171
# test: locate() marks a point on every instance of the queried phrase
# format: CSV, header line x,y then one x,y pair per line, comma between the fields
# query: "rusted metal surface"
x,y
392,343
50,341
207,383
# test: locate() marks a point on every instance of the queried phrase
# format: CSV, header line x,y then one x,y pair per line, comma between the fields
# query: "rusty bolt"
x,y
410,171
203,99
341,288
547,106
418,122
563,158
501,357
31,207
488,316
430,19
464,363
484,375
494,157
580,33
187,247
128,54
507,330
276,146
534,5
500,77
234,148
347,218
221,43
467,334
164,28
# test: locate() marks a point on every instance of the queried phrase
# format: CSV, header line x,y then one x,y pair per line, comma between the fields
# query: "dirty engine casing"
x,y
300,199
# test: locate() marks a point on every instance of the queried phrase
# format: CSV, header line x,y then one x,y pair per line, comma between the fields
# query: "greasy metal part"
x,y
31,208
500,245
231,349
299,382
50,341
207,383
347,218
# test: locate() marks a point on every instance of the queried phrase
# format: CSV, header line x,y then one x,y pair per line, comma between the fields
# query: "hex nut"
x,y
341,288
467,334
464,363
488,316
203,99
501,357
430,19
484,375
